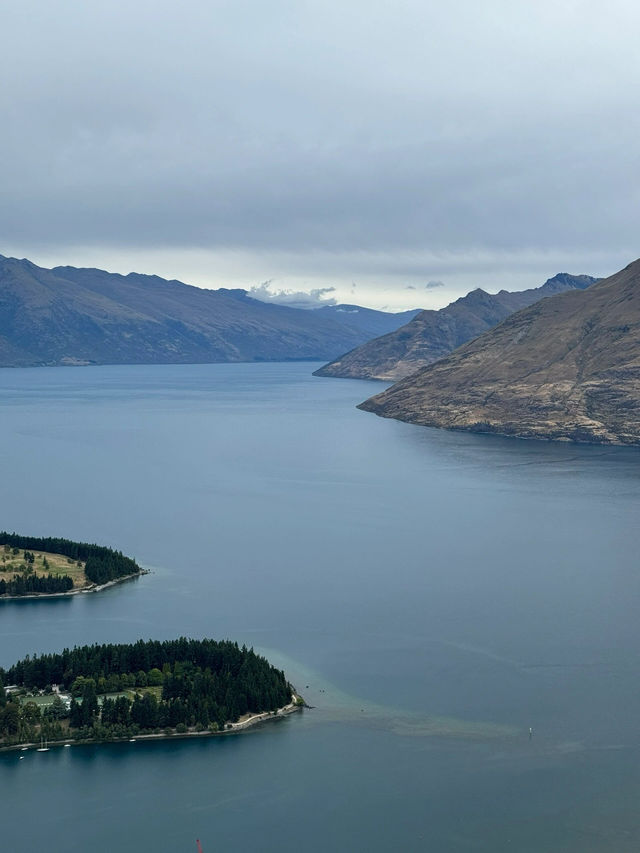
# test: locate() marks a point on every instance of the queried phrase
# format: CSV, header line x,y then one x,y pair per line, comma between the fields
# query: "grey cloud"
x,y
432,285
194,131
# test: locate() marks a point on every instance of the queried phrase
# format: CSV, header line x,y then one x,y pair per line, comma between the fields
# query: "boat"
x,y
43,745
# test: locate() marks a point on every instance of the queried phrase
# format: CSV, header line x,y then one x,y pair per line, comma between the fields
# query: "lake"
x,y
432,594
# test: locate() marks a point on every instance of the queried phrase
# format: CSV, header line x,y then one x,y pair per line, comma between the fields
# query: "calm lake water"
x,y
432,594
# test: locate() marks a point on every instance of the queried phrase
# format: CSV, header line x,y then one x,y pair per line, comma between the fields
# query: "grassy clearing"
x,y
12,564
41,701
157,692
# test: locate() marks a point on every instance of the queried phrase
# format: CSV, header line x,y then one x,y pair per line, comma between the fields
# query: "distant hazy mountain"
x,y
567,367
433,334
89,316
370,322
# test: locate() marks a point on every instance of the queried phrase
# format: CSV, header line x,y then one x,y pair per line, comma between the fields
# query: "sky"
x,y
392,154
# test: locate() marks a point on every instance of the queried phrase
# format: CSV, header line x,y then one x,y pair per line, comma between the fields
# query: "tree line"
x,y
29,584
102,564
179,684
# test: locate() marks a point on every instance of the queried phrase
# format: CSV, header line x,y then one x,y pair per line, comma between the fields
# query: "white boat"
x,y
43,746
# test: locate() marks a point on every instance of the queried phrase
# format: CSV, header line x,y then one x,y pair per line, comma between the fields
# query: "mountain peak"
x,y
565,368
434,334
565,281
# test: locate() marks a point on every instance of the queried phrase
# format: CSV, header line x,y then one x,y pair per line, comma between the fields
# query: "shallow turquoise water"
x,y
438,592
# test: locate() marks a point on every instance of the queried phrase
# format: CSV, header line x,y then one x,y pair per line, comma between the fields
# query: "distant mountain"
x,y
88,316
434,334
566,368
370,322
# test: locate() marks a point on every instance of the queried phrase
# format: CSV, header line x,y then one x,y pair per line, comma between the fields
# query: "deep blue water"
x,y
439,593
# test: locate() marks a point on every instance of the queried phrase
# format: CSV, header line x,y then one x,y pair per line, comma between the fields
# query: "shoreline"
x,y
242,725
81,591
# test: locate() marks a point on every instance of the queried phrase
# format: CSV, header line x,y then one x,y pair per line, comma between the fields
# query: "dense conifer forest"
x,y
102,564
32,584
170,686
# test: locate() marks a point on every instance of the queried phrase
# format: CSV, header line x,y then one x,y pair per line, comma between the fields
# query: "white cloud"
x,y
315,298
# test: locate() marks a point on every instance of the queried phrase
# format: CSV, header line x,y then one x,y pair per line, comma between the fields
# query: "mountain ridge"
x,y
566,368
432,335
73,315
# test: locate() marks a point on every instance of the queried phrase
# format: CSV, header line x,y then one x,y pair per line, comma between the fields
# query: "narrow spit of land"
x,y
33,566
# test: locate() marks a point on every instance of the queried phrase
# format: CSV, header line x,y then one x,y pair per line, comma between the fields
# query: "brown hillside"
x,y
567,367
432,335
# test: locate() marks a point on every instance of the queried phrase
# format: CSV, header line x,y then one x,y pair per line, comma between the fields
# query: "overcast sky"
x,y
398,152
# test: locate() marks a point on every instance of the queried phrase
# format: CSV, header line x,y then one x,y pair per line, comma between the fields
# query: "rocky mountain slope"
x,y
565,368
431,335
89,316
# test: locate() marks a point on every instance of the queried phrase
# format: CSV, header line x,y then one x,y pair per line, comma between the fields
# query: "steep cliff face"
x,y
566,368
432,335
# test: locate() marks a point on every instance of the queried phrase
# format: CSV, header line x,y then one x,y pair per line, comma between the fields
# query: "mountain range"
x,y
431,335
565,368
70,315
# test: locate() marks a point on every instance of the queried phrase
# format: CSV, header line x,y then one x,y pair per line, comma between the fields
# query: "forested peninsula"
x,y
148,688
40,565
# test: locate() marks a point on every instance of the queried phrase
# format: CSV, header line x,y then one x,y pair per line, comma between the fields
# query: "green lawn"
x,y
11,564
